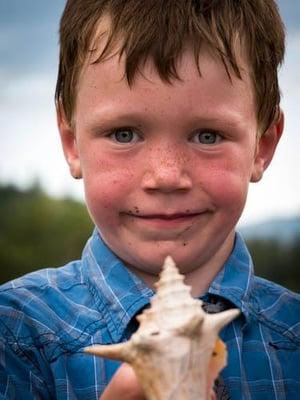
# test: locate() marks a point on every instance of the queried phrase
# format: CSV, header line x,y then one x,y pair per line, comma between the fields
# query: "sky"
x,y
30,149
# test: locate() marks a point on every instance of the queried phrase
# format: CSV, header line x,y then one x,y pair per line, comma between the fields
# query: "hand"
x,y
124,385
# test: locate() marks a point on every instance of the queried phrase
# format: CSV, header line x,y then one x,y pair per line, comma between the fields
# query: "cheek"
x,y
107,189
227,184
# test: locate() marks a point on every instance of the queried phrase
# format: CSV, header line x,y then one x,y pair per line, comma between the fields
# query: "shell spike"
x,y
219,320
169,272
169,264
119,351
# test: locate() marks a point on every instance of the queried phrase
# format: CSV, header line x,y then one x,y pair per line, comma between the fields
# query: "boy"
x,y
167,109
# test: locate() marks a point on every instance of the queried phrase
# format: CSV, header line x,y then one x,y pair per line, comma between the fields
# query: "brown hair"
x,y
159,29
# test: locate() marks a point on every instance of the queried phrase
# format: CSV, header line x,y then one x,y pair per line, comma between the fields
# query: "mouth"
x,y
165,226
169,220
168,217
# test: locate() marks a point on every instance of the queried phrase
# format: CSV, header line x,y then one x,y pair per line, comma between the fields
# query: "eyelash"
x,y
217,136
114,132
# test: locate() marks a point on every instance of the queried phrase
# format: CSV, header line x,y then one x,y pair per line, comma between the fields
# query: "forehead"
x,y
107,41
103,89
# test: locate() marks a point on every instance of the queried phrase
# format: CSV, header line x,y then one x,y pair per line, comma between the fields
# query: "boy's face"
x,y
166,167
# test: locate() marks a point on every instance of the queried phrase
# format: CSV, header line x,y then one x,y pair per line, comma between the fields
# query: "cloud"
x,y
290,12
279,191
28,35
29,140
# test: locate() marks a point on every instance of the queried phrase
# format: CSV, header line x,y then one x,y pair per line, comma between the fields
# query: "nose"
x,y
167,172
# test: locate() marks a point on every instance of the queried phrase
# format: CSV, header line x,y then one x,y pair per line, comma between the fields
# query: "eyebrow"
x,y
222,119
104,120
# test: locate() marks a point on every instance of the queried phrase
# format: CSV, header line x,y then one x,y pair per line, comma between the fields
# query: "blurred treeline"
x,y
38,231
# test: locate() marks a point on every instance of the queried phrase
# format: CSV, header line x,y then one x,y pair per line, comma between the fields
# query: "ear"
x,y
266,146
69,144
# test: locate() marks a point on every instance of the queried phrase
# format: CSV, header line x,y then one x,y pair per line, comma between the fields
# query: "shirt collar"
x,y
120,295
234,281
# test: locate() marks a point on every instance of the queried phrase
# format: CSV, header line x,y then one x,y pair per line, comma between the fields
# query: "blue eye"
x,y
207,137
124,135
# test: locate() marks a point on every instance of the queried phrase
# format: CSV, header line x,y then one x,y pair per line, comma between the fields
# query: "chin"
x,y
152,262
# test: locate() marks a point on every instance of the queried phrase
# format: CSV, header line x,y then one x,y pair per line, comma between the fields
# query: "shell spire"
x,y
172,303
176,352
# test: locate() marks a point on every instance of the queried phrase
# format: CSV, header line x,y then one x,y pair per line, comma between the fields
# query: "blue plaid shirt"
x,y
49,316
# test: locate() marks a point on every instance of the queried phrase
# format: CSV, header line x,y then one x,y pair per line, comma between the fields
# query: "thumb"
x,y
124,385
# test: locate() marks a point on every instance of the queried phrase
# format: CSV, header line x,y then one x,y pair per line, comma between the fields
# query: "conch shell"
x,y
175,353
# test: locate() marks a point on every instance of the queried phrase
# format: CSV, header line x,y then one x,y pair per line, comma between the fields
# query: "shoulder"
x,y
277,307
39,286
38,291
48,307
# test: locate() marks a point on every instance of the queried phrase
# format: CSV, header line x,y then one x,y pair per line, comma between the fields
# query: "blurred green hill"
x,y
38,231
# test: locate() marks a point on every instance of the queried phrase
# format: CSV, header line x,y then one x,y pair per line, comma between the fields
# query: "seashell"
x,y
176,352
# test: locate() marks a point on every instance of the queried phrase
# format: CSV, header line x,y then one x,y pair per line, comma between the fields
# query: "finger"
x,y
124,385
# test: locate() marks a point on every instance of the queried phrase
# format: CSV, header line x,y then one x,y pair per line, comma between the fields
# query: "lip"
x,y
165,220
167,217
